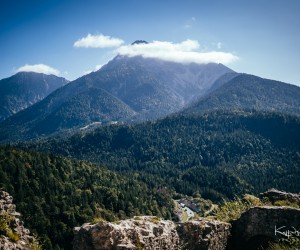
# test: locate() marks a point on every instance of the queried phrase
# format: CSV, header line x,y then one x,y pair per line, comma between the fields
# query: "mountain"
x,y
243,91
132,89
164,84
24,89
124,90
139,42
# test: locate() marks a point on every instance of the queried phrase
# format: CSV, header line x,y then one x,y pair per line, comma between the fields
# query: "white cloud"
x,y
184,52
86,72
97,67
98,41
219,45
39,68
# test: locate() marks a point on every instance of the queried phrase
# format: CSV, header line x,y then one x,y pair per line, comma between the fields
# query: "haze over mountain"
x,y
24,89
126,89
152,87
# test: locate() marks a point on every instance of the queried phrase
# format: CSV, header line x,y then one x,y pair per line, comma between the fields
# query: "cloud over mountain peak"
x,y
38,68
184,52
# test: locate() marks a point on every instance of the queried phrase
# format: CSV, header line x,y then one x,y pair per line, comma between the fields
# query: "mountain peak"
x,y
139,42
23,89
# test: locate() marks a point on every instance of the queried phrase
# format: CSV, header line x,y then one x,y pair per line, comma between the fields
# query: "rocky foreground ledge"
x,y
256,227
149,232
13,234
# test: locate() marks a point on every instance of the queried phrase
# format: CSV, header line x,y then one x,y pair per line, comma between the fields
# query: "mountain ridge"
x,y
136,89
244,91
24,89
143,88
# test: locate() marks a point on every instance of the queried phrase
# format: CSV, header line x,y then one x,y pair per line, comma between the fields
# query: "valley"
x,y
132,137
154,125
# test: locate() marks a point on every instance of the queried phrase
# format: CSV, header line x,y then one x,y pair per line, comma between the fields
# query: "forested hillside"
x,y
55,194
217,154
126,89
221,154
243,91
24,89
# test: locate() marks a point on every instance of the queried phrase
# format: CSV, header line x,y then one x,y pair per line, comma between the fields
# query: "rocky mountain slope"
x,y
180,83
24,89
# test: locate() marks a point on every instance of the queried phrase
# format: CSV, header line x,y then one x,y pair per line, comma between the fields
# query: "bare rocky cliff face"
x,y
149,232
13,234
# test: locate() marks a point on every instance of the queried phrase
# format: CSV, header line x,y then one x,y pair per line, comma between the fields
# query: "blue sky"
x,y
262,35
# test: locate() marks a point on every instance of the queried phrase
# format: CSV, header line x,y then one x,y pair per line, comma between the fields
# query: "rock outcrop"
x,y
13,234
255,229
259,225
210,235
148,232
275,195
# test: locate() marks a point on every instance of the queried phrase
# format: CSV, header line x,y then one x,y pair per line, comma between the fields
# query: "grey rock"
x,y
16,225
204,234
276,195
261,224
148,232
